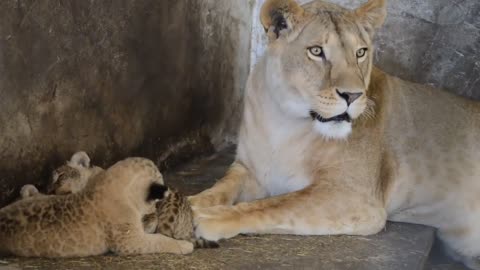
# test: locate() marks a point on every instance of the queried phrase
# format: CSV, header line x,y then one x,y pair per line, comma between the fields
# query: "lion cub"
x,y
173,216
66,179
103,217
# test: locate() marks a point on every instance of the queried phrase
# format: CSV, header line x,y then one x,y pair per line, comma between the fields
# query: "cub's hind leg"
x,y
237,185
126,241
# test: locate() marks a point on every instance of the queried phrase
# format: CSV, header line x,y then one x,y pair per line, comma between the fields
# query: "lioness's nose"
x,y
349,97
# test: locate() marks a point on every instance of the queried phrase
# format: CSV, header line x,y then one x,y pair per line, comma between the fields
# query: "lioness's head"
x,y
321,54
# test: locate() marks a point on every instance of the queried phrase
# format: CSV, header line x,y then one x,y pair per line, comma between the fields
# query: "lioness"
x,y
330,144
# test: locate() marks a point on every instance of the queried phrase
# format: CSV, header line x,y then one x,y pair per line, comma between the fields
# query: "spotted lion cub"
x,y
173,216
73,176
105,216
66,179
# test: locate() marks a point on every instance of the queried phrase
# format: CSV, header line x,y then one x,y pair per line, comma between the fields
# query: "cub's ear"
x,y
279,15
80,159
157,192
372,14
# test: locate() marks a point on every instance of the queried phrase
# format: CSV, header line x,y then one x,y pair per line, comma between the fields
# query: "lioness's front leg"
x,y
236,185
316,210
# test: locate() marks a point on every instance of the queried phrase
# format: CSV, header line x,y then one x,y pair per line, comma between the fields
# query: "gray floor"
x,y
438,259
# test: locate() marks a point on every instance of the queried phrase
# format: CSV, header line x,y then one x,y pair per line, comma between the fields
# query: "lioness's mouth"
x,y
338,118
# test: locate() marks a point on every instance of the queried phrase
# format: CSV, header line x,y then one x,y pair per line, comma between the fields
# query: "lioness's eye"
x,y
361,53
316,51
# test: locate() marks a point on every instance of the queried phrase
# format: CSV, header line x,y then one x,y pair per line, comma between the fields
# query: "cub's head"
x,y
156,194
136,181
319,60
73,176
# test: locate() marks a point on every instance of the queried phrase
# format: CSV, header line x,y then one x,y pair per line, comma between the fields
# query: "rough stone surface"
x,y
426,41
439,260
115,78
398,247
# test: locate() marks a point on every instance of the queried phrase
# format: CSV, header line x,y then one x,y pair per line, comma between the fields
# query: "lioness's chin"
x,y
333,130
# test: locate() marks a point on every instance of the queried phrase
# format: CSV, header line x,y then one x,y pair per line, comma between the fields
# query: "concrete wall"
x,y
426,41
115,78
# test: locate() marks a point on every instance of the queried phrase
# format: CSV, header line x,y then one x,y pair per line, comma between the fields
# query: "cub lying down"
x,y
173,216
103,217
66,179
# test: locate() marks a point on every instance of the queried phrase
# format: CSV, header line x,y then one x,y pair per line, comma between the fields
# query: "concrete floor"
x,y
399,246
439,260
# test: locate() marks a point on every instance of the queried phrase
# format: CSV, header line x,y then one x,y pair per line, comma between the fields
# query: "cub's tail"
x,y
202,243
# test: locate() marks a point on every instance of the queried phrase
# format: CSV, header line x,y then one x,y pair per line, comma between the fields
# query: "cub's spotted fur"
x,y
174,218
67,179
73,176
103,217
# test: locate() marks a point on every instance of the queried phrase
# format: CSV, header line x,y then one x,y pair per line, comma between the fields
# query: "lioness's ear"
x,y
372,14
279,15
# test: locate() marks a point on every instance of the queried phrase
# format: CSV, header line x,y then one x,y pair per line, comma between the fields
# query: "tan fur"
x,y
173,216
73,176
66,179
411,153
105,216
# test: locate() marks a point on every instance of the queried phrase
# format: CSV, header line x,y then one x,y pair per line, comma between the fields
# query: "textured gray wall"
x,y
427,41
433,41
115,78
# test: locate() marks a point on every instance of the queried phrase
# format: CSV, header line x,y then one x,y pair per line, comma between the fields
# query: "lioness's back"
x,y
431,116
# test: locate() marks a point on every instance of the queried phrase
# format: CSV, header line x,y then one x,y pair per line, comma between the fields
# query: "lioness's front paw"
x,y
185,247
215,223
213,230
